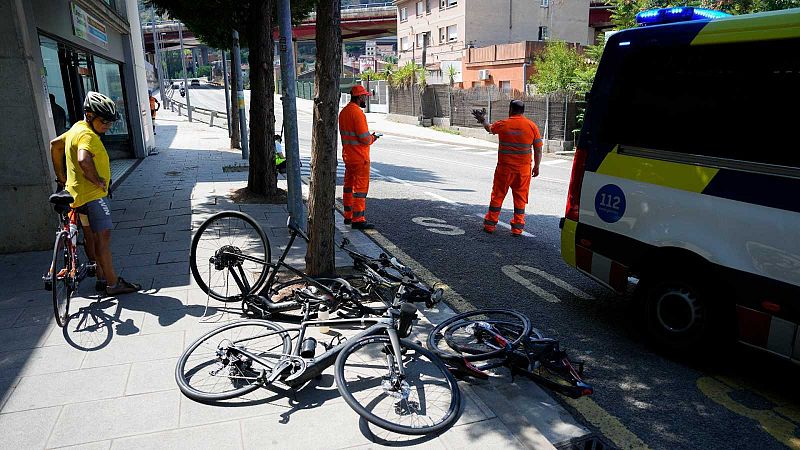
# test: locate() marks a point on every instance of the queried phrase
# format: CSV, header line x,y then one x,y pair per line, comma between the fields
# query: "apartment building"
x,y
448,27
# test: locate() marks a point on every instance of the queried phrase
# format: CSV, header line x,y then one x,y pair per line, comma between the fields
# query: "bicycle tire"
x,y
62,286
199,259
184,377
477,353
443,380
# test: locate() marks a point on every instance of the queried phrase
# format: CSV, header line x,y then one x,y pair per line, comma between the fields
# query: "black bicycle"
x,y
476,341
66,270
391,382
230,259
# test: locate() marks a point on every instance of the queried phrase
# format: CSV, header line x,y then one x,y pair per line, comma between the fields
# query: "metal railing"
x,y
368,5
215,118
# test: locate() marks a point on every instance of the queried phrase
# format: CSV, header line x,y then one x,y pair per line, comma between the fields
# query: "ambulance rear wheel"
x,y
676,311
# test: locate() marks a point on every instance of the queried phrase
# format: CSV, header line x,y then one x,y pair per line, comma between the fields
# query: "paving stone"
x,y
140,260
40,361
115,418
127,349
176,256
91,329
99,445
170,212
151,376
40,391
21,429
24,337
334,426
226,435
24,299
487,434
9,316
146,247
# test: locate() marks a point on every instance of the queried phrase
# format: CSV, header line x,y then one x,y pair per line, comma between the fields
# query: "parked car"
x,y
194,82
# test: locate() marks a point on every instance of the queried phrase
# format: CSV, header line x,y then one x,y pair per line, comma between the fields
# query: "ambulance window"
x,y
737,101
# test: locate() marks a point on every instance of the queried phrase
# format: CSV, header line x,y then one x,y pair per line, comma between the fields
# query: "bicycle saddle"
x,y
62,198
293,227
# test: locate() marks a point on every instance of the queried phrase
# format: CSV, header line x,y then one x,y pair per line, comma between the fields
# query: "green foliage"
x,y
556,68
405,75
584,74
624,13
213,20
372,75
451,73
392,59
203,71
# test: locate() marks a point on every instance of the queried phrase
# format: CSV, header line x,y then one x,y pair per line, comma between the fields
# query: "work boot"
x,y
363,226
348,221
486,230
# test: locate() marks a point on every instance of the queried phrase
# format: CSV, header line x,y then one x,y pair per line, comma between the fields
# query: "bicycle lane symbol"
x,y
781,421
514,271
438,226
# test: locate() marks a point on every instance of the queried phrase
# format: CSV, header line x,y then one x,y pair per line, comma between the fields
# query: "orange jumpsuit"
x,y
356,140
518,135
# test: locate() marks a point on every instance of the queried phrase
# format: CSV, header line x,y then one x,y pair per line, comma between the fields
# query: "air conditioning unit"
x,y
483,74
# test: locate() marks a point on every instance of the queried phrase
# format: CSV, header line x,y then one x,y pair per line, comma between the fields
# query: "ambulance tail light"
x,y
575,182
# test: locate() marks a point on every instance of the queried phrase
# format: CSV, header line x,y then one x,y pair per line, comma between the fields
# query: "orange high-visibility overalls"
x,y
356,140
518,137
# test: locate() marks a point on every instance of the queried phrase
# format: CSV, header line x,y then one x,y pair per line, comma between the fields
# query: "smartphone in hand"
x,y
377,135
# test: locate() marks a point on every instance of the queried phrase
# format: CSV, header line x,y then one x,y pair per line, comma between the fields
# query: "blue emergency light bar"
x,y
677,14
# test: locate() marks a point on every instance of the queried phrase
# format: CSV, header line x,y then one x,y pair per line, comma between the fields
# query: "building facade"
x,y
53,52
507,66
445,28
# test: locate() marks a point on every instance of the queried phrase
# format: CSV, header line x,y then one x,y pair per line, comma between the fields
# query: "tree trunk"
x,y
320,257
262,178
235,138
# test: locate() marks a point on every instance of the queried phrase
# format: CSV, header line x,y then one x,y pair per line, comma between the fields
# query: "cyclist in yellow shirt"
x,y
82,165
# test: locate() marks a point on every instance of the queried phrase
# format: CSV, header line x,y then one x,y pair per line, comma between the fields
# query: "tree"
x,y
584,74
624,12
262,177
556,68
212,21
322,191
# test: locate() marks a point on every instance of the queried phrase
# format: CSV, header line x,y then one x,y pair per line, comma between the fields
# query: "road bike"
x,y
66,270
388,380
230,261
476,341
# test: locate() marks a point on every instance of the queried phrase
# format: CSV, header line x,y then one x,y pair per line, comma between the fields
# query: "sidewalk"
x,y
107,380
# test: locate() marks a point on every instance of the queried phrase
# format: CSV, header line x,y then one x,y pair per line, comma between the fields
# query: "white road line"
x,y
513,272
506,226
554,162
439,197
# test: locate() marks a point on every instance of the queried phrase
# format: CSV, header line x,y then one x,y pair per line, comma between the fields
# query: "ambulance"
x,y
686,177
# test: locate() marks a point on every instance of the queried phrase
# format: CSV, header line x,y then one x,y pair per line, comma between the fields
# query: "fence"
x,y
555,114
214,118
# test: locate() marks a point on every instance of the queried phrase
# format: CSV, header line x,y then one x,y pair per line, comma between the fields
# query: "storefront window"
x,y
109,82
62,119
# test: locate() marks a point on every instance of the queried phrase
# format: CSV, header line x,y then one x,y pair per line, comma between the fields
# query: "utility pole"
x,y
227,97
292,148
157,60
237,66
183,65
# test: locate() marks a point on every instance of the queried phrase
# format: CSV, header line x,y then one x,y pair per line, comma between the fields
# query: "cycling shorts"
x,y
96,214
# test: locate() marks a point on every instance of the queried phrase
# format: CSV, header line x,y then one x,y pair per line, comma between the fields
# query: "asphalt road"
x,y
429,198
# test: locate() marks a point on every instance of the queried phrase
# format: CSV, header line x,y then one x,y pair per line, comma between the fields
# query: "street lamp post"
x,y
237,66
183,66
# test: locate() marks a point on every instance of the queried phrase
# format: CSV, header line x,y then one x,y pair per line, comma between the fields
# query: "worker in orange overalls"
x,y
154,106
356,140
519,138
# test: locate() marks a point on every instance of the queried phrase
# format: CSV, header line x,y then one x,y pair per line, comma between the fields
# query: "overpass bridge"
x,y
357,23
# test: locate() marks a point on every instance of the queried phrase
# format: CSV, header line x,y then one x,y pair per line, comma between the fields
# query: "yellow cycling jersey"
x,y
82,137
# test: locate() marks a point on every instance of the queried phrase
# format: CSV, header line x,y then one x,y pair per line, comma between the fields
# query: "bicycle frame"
x,y
312,367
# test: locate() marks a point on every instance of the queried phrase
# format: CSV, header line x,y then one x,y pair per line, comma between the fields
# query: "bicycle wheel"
x,y
229,246
426,400
214,368
61,267
479,335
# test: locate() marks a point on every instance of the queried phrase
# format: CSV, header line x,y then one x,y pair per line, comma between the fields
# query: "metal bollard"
x,y
211,119
179,108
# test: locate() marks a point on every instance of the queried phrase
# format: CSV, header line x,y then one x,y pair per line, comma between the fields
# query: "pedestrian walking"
x,y
519,138
356,140
154,106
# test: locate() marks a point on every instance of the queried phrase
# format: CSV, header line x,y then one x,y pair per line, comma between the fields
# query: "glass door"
x,y
109,82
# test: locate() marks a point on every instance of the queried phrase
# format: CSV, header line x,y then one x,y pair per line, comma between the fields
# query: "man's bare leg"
x,y
102,249
89,246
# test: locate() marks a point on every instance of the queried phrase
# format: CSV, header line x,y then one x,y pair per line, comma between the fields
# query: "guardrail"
x,y
368,5
216,118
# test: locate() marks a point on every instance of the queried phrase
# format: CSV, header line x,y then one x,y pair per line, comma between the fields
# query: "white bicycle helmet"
x,y
100,105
